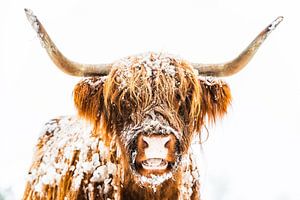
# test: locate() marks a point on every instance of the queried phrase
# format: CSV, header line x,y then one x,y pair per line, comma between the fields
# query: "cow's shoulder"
x,y
63,128
69,156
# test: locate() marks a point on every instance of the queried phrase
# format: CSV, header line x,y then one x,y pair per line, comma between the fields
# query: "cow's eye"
x,y
178,97
181,110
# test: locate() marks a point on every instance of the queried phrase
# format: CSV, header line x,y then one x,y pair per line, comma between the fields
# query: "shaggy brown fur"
x,y
64,189
124,99
185,100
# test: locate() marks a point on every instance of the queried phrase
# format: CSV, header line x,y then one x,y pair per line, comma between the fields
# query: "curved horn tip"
x,y
28,12
241,61
63,63
32,19
275,23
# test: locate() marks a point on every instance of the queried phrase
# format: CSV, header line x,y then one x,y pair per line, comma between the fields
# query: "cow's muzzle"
x,y
156,154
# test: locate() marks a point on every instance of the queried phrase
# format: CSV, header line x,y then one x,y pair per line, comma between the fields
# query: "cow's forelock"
x,y
139,84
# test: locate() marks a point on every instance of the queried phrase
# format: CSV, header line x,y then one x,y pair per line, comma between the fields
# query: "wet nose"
x,y
156,146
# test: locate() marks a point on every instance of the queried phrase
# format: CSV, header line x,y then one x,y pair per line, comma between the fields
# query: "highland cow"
x,y
137,118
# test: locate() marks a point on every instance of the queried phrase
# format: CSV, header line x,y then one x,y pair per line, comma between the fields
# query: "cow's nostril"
x,y
167,145
156,142
145,144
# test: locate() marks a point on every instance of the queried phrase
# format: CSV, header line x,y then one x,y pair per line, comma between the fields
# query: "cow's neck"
x,y
167,190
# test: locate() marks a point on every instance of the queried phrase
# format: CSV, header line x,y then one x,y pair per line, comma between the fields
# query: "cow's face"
x,y
153,103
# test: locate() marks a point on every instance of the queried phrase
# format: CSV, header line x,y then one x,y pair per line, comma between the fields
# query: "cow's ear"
x,y
215,99
88,98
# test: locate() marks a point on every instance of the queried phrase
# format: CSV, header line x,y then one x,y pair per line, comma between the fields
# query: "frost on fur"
x,y
101,153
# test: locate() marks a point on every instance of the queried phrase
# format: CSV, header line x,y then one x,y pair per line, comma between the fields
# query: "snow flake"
x,y
107,186
154,180
100,174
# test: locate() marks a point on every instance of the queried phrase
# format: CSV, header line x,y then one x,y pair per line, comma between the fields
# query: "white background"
x,y
252,154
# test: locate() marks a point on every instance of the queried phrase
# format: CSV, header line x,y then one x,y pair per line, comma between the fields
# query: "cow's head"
x,y
153,104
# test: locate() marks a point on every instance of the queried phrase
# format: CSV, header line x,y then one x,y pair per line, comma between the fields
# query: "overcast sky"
x,y
252,154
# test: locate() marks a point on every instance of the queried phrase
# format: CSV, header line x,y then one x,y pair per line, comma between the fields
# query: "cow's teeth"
x,y
155,164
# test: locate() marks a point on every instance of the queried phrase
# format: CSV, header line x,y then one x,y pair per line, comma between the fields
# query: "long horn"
x,y
63,63
234,66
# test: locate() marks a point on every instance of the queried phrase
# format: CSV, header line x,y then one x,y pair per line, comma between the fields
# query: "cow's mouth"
x,y
155,164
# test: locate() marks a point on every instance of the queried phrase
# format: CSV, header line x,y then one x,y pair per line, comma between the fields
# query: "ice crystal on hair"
x,y
154,180
151,62
94,82
209,81
64,137
190,175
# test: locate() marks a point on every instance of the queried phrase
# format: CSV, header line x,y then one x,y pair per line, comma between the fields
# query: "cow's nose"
x,y
156,146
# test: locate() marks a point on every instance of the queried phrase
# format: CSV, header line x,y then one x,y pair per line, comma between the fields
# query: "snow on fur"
x,y
65,136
